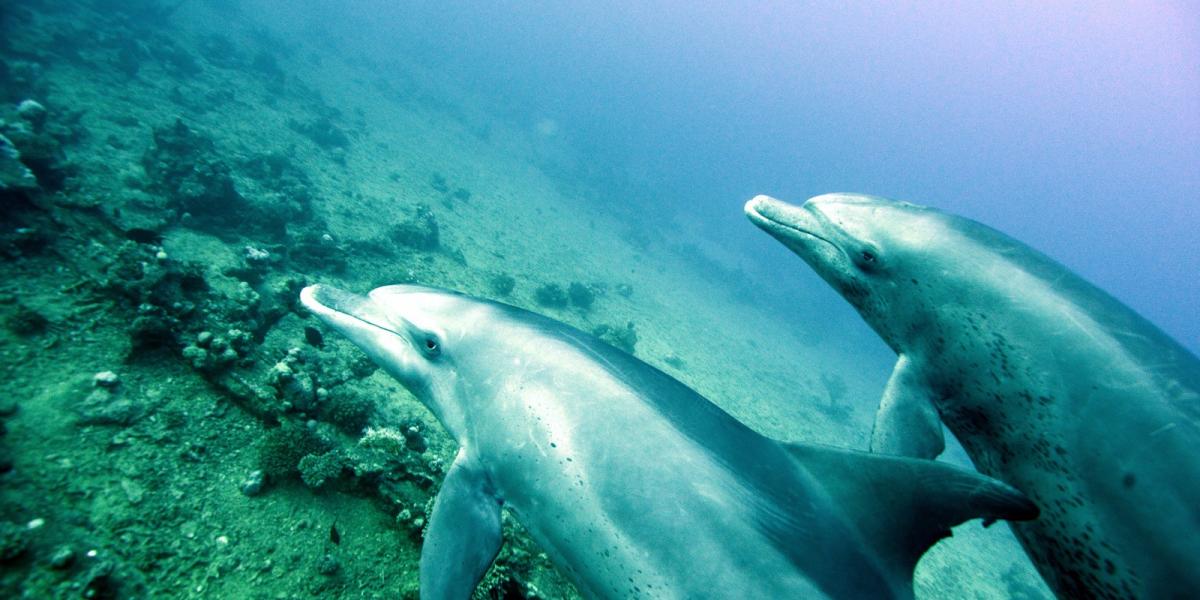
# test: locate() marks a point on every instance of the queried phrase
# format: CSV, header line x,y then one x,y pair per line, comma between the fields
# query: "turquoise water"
x,y
187,167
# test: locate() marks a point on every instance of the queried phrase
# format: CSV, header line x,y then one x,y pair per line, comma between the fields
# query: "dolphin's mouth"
x,y
781,219
334,306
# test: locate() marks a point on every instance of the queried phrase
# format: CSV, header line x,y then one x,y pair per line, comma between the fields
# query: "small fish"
x,y
314,337
334,536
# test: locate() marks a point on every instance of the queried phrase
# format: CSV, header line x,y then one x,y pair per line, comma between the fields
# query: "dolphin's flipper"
x,y
463,536
902,506
907,423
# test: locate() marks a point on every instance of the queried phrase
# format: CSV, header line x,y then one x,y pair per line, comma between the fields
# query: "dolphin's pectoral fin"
x,y
907,423
463,536
902,506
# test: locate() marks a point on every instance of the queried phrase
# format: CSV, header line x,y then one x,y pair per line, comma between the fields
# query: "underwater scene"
x,y
368,299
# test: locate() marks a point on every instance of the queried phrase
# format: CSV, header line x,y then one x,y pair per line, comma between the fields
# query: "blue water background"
x,y
1074,127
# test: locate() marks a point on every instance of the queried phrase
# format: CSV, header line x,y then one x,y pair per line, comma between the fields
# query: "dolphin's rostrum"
x,y
635,485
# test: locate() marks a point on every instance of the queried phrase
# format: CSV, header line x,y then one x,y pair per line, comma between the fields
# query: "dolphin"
x,y
1049,383
635,485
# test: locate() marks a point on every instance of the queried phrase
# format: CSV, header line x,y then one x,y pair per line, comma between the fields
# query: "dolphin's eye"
x,y
431,346
867,259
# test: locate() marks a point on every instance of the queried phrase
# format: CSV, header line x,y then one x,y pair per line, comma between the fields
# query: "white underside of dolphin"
x,y
1050,384
636,486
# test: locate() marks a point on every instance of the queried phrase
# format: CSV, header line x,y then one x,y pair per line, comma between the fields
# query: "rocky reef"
x,y
154,260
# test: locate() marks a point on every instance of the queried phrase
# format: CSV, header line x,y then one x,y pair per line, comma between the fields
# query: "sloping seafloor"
x,y
191,177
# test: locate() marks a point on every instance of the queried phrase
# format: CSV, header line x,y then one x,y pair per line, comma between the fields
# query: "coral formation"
x,y
624,338
419,231
282,448
185,166
502,284
582,296
14,174
550,295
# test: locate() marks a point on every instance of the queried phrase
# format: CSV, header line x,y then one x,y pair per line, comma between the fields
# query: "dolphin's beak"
x,y
755,206
786,222
343,310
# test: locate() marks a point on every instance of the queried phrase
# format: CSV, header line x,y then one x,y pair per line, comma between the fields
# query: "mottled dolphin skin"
x,y
636,486
1050,384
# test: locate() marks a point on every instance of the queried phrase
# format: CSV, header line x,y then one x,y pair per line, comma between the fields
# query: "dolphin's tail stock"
x,y
902,506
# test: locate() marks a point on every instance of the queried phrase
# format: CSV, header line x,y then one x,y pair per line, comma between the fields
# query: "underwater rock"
x,y
165,293
675,361
314,251
502,284
420,231
413,440
152,328
104,406
130,55
14,540
106,379
25,321
348,409
185,166
220,52
414,523
391,455
282,448
328,566
258,256
550,295
134,492
210,354
22,241
285,190
14,175
176,60
438,183
252,485
265,63
243,306
322,132
62,558
626,339
40,145
20,77
33,113
582,296
293,385
100,581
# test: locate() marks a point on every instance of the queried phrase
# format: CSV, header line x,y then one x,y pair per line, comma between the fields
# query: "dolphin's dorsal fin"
x,y
902,506
907,424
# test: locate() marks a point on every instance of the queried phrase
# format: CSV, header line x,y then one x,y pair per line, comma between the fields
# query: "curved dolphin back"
x,y
1139,337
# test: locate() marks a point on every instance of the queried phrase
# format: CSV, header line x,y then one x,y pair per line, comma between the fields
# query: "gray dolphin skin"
x,y
1050,384
635,485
